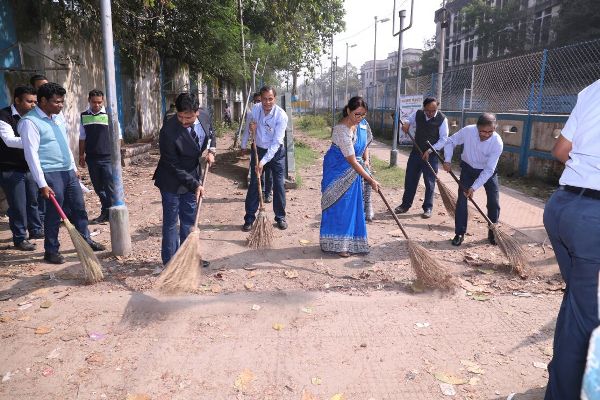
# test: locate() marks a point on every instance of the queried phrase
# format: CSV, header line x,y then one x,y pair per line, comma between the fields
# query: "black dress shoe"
x,y
400,210
96,246
36,235
54,258
247,227
25,245
103,217
205,264
281,224
458,239
491,237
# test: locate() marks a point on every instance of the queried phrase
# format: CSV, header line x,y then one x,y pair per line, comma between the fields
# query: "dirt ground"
x,y
286,323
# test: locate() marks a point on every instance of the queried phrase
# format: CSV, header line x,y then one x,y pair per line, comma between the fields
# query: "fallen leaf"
x,y
252,274
249,285
480,296
46,304
243,380
472,367
316,381
291,274
255,307
304,242
306,395
278,326
447,389
337,396
42,330
137,396
448,378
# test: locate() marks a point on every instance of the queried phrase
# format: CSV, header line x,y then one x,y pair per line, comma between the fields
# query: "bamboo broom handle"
x,y
197,218
420,151
490,223
393,214
60,211
260,195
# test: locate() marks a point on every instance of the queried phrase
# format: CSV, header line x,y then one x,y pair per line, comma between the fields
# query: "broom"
x,y
261,235
181,273
508,245
447,195
427,269
92,270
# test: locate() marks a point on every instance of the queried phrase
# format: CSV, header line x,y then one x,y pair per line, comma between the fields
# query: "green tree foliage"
x,y
578,20
429,58
205,34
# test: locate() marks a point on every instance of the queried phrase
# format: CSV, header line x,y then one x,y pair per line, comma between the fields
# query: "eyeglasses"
x,y
359,115
486,132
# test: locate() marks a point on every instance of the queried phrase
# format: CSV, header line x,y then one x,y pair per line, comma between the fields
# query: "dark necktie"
x,y
194,136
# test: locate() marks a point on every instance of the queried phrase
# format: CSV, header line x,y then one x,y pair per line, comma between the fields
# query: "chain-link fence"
x,y
542,82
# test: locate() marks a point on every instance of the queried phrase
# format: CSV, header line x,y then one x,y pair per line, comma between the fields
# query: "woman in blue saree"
x,y
345,167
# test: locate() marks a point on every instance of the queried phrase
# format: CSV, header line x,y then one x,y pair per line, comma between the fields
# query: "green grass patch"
x,y
384,174
315,126
305,157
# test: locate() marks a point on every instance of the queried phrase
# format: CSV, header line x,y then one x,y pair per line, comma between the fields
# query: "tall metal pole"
x,y
394,152
335,66
118,215
346,91
375,54
442,54
396,133
332,87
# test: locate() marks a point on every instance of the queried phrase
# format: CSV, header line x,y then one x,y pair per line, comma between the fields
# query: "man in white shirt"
x,y
572,221
482,148
51,162
15,179
267,124
430,125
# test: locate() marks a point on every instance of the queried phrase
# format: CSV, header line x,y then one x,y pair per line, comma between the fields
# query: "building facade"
x,y
385,69
521,25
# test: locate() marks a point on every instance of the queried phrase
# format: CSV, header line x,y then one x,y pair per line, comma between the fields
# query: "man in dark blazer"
x,y
182,141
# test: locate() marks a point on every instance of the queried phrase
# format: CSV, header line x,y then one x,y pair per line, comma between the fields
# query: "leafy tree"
x,y
579,20
430,57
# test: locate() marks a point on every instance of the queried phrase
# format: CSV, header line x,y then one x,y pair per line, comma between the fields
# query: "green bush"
x,y
310,122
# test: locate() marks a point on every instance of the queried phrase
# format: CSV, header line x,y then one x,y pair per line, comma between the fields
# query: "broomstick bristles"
x,y
261,235
92,270
427,269
182,271
513,251
448,198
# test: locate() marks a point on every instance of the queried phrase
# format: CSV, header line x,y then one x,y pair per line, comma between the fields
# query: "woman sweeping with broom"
x,y
343,225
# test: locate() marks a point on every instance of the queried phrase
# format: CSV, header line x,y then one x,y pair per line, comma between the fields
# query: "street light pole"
x,y
120,239
443,24
374,82
396,133
346,93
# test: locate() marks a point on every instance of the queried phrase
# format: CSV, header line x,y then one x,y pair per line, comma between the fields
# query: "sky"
x,y
360,29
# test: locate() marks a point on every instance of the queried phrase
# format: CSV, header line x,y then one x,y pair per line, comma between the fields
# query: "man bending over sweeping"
x,y
482,148
182,141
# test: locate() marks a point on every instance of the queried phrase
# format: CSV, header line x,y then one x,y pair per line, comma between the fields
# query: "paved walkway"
x,y
518,210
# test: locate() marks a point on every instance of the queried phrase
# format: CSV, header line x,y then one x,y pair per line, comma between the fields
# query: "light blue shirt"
x,y
479,155
199,132
583,131
443,130
270,130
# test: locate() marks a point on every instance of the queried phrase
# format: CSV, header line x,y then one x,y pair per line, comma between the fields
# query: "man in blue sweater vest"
x,y
94,149
46,146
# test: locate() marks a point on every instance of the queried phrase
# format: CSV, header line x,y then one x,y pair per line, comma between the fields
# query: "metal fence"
x,y
546,81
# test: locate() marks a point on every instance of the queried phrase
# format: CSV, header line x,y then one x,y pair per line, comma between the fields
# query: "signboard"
x,y
408,106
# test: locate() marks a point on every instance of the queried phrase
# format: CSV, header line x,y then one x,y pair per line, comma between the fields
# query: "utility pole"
x,y
442,19
332,87
375,61
335,65
396,133
120,239
346,93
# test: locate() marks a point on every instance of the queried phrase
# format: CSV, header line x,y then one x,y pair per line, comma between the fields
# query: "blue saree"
x,y
343,225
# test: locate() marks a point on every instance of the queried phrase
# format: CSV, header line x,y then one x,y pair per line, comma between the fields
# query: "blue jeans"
x,y
65,185
267,181
414,168
468,176
572,222
100,170
22,198
176,207
277,168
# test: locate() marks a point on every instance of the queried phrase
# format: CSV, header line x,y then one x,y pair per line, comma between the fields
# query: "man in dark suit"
x,y
15,178
182,141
